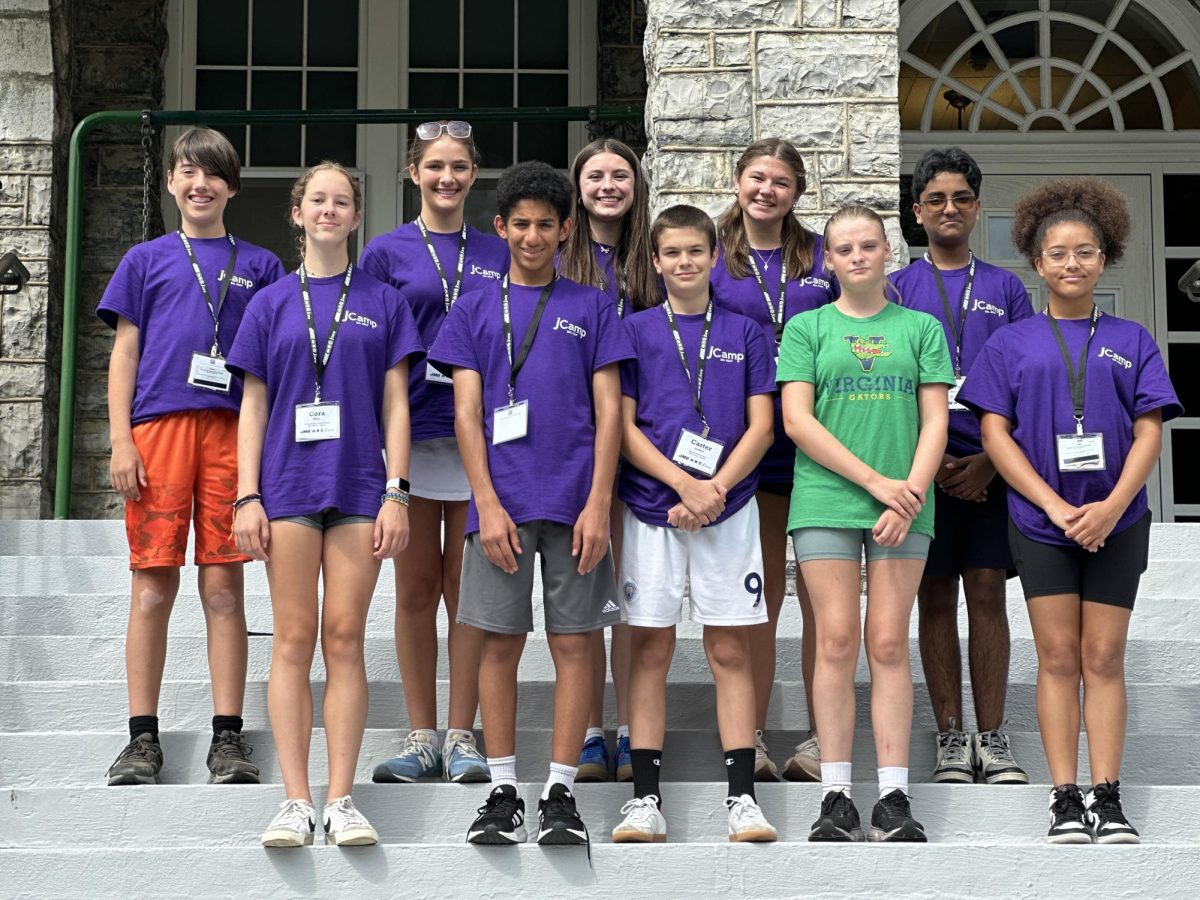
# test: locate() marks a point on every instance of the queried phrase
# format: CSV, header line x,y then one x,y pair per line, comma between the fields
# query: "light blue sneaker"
x,y
593,761
418,758
624,760
463,762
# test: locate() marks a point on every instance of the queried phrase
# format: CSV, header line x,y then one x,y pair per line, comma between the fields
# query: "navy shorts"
x,y
969,535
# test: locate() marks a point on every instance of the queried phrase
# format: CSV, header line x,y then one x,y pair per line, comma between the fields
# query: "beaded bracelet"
x,y
395,495
249,498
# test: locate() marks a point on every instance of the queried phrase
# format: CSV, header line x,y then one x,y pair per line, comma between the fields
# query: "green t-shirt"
x,y
865,373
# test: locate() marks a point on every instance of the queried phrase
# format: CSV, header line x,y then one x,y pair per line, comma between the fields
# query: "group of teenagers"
x,y
650,408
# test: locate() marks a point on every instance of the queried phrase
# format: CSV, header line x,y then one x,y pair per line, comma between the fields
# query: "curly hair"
x,y
1091,202
537,181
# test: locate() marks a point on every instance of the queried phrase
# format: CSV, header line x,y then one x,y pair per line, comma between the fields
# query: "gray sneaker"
x,y
955,759
994,760
139,763
229,760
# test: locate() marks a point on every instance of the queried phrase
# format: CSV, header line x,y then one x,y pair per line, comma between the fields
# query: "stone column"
x,y
26,132
821,73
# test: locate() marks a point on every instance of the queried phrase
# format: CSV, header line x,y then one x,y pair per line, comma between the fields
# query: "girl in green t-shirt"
x,y
865,399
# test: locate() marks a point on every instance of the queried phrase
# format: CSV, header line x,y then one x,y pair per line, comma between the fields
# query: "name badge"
x,y
1080,452
318,422
698,454
209,373
955,406
435,376
509,423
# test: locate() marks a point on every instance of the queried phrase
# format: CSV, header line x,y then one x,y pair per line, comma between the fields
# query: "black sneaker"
x,y
558,821
229,760
1066,817
891,820
1104,817
139,763
839,819
501,820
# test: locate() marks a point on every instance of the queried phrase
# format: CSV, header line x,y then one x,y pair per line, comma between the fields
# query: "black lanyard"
x,y
450,296
226,280
1076,375
776,314
516,364
319,363
698,384
956,328
620,287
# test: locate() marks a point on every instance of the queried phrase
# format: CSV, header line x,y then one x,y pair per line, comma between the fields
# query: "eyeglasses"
x,y
427,131
1085,256
960,201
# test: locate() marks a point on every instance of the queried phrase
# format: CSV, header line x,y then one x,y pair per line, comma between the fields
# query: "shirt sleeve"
x,y
1154,389
760,362
629,367
454,345
1019,305
934,363
373,261
797,353
989,388
249,351
612,342
404,339
123,296
272,271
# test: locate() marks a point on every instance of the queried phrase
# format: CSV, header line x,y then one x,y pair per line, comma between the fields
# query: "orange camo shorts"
x,y
191,474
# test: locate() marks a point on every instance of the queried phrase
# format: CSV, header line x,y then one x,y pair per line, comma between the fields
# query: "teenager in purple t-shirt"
x,y
764,252
434,260
609,248
176,303
325,354
697,410
972,299
1072,405
537,413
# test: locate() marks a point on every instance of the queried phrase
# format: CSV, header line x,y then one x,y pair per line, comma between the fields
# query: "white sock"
x,y
455,734
592,733
892,778
835,776
559,774
622,732
432,734
504,770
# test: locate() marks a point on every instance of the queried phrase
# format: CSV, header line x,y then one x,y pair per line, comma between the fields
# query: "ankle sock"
x,y
455,734
226,723
504,770
435,739
835,776
559,774
892,778
739,770
593,733
622,732
647,768
142,724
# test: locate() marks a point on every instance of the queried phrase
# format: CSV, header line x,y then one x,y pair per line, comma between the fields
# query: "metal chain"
x,y
147,172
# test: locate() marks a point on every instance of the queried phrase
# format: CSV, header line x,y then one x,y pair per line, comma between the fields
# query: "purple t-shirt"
x,y
155,288
740,364
548,473
377,332
1021,375
997,299
743,295
401,259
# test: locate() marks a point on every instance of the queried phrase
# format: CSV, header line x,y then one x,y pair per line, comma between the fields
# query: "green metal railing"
x,y
74,242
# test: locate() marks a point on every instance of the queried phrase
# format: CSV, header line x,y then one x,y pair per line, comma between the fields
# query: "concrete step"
x,y
186,705
56,759
234,815
678,870
50,658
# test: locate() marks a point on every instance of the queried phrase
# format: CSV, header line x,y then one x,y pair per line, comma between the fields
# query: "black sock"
x,y
142,724
739,769
226,723
647,764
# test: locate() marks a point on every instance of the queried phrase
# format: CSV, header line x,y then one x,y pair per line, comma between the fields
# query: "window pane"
x,y
537,140
260,215
222,89
278,30
332,33
1181,210
999,238
1183,90
275,145
221,27
1185,445
543,34
488,34
1182,313
480,207
494,139
331,90
433,38
1140,110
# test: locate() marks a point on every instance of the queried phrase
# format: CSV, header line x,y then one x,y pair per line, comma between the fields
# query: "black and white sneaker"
x,y
501,820
838,820
892,820
1104,817
1066,817
559,824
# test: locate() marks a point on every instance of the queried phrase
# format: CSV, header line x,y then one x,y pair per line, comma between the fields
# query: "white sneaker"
x,y
764,769
746,820
643,823
346,826
293,825
805,763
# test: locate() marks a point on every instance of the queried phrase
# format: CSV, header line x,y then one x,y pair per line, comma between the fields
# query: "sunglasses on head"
x,y
427,131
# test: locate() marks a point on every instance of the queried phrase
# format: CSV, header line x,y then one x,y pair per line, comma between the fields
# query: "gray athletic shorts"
x,y
849,543
493,600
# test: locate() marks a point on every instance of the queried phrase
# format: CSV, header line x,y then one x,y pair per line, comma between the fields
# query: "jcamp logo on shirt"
x,y
729,356
360,320
237,281
1115,357
868,349
561,324
484,273
983,306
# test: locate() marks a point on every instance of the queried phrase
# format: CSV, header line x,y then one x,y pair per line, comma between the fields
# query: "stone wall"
x,y
821,73
26,136
620,67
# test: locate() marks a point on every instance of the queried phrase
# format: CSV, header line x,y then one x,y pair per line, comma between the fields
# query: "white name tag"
x,y
953,395
318,422
209,373
434,375
509,423
699,454
1080,452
